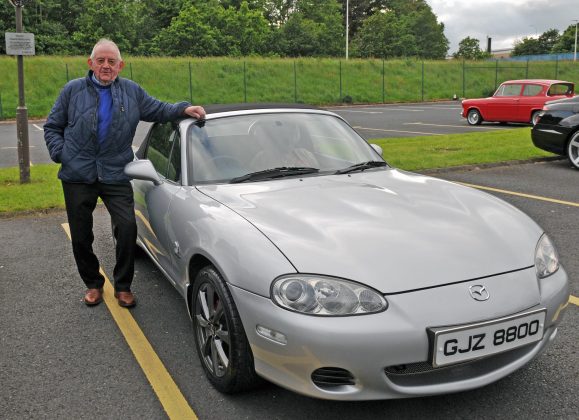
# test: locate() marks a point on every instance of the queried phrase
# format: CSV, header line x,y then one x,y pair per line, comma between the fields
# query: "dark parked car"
x,y
516,101
557,130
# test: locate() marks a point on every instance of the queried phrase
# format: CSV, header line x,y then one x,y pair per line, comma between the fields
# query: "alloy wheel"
x,y
212,330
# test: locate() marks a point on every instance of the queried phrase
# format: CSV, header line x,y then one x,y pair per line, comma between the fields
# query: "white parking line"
x,y
397,131
461,126
38,127
363,112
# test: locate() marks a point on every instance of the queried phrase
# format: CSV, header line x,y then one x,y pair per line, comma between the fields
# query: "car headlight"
x,y
546,258
318,295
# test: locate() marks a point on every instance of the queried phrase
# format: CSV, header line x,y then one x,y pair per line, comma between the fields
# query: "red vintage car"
x,y
516,101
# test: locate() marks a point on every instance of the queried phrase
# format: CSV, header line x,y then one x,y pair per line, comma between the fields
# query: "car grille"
x,y
330,377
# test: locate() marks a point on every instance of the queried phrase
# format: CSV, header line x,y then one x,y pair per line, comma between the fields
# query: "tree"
x,y
209,29
533,46
314,28
469,48
566,42
108,19
383,35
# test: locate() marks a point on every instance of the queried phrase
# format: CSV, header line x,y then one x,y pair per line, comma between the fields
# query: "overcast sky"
x,y
504,21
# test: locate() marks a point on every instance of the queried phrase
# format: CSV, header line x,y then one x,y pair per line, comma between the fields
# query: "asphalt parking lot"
x,y
61,359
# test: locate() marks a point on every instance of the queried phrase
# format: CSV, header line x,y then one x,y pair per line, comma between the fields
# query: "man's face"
x,y
106,64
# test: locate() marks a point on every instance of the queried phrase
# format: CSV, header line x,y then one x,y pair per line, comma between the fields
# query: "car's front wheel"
x,y
535,117
474,117
219,336
573,150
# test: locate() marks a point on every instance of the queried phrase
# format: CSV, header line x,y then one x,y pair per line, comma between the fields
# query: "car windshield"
x,y
225,149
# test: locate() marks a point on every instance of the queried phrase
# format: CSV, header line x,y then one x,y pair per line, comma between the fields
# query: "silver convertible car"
x,y
305,259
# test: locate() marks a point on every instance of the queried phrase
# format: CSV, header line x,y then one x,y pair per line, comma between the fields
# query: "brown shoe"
x,y
126,299
93,297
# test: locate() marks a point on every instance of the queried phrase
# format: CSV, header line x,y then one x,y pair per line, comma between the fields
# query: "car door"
x,y
532,99
152,202
503,106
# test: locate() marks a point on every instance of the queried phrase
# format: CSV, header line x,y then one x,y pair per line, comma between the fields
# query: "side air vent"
x,y
331,377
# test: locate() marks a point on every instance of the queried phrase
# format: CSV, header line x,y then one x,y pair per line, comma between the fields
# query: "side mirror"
x,y
142,169
377,148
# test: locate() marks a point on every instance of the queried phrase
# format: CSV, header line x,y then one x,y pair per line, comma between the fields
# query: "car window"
x,y
532,90
513,89
229,147
159,147
560,89
174,169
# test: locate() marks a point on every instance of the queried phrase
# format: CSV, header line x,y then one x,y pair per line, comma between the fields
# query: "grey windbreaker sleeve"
x,y
55,124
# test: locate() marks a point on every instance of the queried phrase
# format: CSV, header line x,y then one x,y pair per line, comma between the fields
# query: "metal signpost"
x,y
21,44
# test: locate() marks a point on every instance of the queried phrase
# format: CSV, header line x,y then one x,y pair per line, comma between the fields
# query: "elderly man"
x,y
89,132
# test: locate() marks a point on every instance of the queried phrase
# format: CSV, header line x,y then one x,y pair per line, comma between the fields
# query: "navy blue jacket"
x,y
70,131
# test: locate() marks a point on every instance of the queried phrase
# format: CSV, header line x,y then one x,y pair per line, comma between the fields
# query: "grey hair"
x,y
105,41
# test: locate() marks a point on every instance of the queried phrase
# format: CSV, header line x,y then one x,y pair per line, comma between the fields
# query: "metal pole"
x,y
557,68
131,70
527,70
383,83
496,73
67,78
575,53
244,83
1,114
340,61
22,111
422,80
295,83
190,84
463,79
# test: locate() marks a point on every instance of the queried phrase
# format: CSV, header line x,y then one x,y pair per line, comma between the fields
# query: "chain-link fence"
x,y
307,80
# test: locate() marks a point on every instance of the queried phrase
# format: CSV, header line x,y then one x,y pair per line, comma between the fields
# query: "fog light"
x,y
272,335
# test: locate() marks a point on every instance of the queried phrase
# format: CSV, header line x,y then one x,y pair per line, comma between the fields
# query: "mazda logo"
x,y
479,292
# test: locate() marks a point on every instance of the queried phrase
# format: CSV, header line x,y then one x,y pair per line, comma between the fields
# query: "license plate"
x,y
467,342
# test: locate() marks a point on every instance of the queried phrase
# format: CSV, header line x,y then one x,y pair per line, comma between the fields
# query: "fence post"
x,y
557,67
340,61
383,84
295,83
1,113
67,79
527,70
190,84
244,82
496,73
422,88
131,70
463,79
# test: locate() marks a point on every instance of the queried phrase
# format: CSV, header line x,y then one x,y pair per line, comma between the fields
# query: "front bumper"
x,y
387,353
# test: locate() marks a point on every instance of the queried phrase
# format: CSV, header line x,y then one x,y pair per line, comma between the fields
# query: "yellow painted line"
x,y
574,300
534,197
169,394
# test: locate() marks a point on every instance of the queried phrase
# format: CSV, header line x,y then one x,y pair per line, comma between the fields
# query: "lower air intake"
x,y
331,377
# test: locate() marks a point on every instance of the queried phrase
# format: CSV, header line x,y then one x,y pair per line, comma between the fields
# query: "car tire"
x,y
573,150
535,116
474,117
220,339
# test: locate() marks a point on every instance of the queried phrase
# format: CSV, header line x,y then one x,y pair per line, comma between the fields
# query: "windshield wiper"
x,y
274,173
362,166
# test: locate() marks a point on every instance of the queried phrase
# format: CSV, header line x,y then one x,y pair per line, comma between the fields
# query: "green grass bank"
x,y
318,81
415,153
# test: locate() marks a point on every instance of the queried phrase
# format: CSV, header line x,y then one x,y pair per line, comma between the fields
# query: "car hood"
x,y
392,230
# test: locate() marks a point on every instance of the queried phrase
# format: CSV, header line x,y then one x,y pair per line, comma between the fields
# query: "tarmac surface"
x,y
61,359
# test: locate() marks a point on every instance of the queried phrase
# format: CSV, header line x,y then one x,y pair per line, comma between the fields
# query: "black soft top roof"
x,y
217,108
